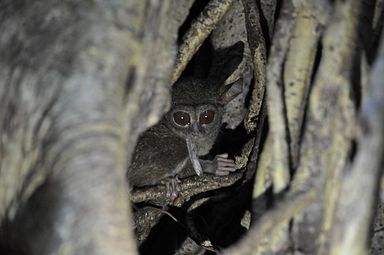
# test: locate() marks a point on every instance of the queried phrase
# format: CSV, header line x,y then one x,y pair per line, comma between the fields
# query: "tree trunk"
x,y
80,81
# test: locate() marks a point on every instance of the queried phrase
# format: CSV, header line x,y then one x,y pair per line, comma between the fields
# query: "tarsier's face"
x,y
197,122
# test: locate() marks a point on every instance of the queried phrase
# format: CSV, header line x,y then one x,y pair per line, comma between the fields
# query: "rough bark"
x,y
74,80
80,81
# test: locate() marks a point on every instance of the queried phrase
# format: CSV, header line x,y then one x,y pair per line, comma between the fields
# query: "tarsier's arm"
x,y
220,165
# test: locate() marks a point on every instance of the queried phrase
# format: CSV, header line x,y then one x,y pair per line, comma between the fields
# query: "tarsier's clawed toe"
x,y
224,166
173,188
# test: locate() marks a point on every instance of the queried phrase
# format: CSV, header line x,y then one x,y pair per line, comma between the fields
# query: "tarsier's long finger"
x,y
168,189
174,193
224,159
221,173
176,185
224,155
226,165
226,169
178,188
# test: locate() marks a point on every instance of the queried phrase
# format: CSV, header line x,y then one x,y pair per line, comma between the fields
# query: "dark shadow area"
x,y
218,219
32,225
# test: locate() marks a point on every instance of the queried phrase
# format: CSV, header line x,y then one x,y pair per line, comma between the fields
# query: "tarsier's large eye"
x,y
181,118
207,117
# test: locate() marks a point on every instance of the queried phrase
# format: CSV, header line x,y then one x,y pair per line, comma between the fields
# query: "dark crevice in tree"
x,y
279,5
264,27
368,34
231,141
284,104
217,219
201,62
356,91
316,65
166,237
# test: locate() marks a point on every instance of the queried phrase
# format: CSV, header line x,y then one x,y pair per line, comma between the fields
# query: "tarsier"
x,y
189,129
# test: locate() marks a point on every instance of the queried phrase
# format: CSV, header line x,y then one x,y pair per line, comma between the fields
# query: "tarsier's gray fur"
x,y
162,151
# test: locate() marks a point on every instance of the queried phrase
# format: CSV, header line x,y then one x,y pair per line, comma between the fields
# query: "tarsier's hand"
x,y
223,165
172,185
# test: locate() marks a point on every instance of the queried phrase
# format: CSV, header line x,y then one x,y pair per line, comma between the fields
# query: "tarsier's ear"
x,y
225,62
230,91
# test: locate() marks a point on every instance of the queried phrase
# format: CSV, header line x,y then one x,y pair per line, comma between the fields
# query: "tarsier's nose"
x,y
195,130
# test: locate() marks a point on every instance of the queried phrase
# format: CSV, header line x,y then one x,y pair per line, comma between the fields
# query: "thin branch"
x,y
199,31
189,187
298,68
275,100
257,46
